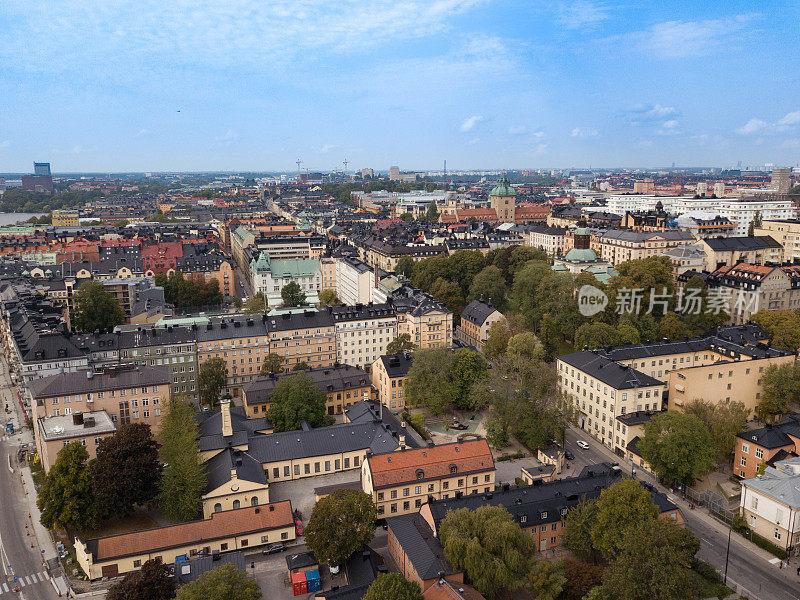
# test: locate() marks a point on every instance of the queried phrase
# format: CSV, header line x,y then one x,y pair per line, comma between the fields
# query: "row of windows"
x,y
318,467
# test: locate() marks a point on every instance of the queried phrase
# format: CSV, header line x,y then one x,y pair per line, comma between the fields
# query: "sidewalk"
x,y
789,573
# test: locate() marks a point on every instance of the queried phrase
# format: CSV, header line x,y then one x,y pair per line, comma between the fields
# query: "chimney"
x,y
402,440
225,411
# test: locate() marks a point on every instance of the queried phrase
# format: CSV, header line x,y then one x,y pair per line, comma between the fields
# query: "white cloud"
x,y
540,149
581,14
5,143
212,33
752,126
473,141
669,128
791,119
142,132
228,136
82,149
672,124
791,143
470,122
683,39
327,148
525,130
641,114
584,132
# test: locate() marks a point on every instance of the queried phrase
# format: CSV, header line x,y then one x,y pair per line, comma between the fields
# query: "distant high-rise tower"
x,y
503,199
782,180
394,173
41,169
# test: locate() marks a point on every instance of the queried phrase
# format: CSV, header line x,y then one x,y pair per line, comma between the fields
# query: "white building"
x,y
770,503
354,281
363,332
269,276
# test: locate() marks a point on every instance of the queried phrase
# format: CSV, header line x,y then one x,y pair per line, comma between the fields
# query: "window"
x,y
745,447
754,503
430,487
254,501
297,469
393,508
523,518
236,504
286,471
759,453
380,495
137,564
418,489
244,543
307,468
393,494
406,505
264,539
744,461
777,534
284,535
327,465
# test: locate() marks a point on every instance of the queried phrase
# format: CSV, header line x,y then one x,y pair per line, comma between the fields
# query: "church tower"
x,y
503,199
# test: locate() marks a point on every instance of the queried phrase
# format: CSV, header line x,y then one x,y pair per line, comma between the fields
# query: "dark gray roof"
x,y
397,365
774,435
230,327
190,570
421,547
336,439
643,236
756,242
366,411
301,560
210,426
636,418
477,312
110,378
360,312
219,468
324,490
618,376
336,378
308,319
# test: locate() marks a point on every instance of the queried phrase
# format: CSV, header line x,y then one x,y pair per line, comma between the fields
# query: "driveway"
x,y
301,491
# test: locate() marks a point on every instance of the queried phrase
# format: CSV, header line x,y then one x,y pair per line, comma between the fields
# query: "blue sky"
x,y
484,84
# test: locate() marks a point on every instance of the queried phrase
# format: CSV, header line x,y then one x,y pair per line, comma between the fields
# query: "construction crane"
x,y
345,168
299,162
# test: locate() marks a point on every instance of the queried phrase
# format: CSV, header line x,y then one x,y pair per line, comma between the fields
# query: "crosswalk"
x,y
23,581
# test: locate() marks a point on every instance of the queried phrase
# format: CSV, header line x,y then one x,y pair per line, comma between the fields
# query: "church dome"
x,y
503,188
581,255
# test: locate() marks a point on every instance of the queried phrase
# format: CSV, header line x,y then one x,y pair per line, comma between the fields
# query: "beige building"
x,y
243,529
328,273
786,233
616,245
728,251
363,332
389,377
88,429
476,320
503,200
401,482
65,218
235,480
354,281
751,288
429,324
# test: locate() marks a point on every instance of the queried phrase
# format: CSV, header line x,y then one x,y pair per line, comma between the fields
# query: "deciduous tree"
x,y
293,295
94,309
440,379
489,284
223,583
678,446
724,421
405,266
273,363
255,304
296,399
578,526
341,523
780,389
152,582
546,581
581,578
621,506
211,380
393,586
400,343
67,498
329,297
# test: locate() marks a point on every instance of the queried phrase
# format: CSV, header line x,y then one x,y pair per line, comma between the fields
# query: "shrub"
x,y
765,544
514,456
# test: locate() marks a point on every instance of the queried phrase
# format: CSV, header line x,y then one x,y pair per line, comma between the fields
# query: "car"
x,y
458,426
582,444
298,527
569,455
273,548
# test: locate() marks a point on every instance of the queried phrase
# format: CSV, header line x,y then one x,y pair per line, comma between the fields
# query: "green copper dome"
x,y
581,255
503,188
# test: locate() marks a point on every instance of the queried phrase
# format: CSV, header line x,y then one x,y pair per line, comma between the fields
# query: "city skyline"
x,y
242,87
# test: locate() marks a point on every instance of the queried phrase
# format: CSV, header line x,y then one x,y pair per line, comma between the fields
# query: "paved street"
x,y
21,553
750,570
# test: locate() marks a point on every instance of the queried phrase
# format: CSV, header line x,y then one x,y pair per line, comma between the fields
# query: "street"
x,y
20,552
749,573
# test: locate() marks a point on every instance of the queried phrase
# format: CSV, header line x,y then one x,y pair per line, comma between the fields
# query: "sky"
x,y
235,85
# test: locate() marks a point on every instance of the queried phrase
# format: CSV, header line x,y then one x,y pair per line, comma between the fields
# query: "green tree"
x,y
596,334
211,380
127,470
406,217
399,344
293,295
440,379
255,304
678,446
95,309
654,561
578,525
432,214
526,283
490,285
699,320
652,273
489,545
152,582
66,497
223,583
780,389
620,507
497,340
184,478
393,586
449,294
329,297
405,266
781,326
464,266
427,271
671,327
521,255
301,366
525,344
341,523
754,224
296,399
546,581
724,421
273,363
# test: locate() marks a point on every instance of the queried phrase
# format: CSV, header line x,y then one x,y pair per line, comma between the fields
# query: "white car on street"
x,y
582,444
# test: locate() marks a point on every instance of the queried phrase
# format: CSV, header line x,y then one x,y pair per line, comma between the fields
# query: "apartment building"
x,y
768,444
354,281
787,233
476,320
549,239
770,503
128,394
302,335
241,529
427,322
616,246
757,250
752,288
389,374
65,218
329,280
540,509
88,429
344,385
363,332
402,482
269,276
602,389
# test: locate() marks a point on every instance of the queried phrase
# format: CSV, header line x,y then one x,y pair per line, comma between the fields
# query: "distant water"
x,y
12,218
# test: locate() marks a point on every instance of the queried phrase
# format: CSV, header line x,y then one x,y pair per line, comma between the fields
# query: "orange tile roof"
x,y
221,525
396,468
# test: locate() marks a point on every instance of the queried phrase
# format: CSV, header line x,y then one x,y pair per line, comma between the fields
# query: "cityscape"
x,y
459,300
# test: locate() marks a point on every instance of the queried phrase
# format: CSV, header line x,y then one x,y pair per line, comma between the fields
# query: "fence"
x,y
713,501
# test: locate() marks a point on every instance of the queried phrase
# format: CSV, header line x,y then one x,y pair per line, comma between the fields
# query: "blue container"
x,y
313,580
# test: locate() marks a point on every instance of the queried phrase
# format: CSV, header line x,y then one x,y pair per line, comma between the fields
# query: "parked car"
x,y
298,527
458,425
273,548
582,444
568,455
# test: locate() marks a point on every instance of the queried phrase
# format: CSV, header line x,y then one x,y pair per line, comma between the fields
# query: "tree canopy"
x,y
189,291
329,297
273,363
152,582
127,470
296,399
400,343
211,380
293,295
341,523
95,309
678,447
489,545
255,304
723,421
780,386
67,497
489,284
782,327
440,379
393,586
620,507
223,583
